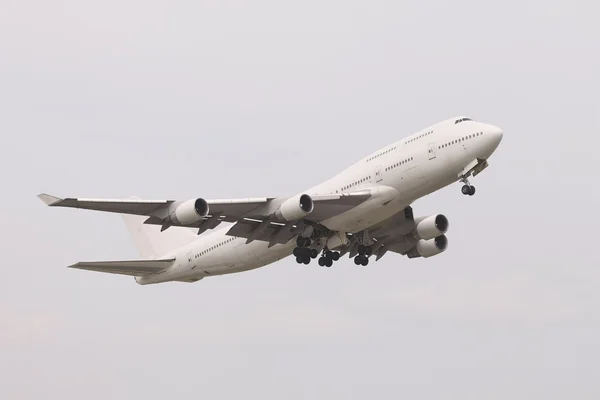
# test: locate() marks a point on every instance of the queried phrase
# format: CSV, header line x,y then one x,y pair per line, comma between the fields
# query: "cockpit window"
x,y
458,121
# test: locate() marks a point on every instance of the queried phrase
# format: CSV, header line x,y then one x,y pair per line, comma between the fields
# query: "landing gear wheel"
x,y
322,261
362,249
357,260
471,190
299,260
368,251
335,256
314,253
329,255
328,262
364,262
466,189
306,260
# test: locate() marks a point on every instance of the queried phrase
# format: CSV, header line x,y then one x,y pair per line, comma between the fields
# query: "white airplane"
x,y
363,211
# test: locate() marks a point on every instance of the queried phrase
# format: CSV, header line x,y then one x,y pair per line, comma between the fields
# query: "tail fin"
x,y
151,242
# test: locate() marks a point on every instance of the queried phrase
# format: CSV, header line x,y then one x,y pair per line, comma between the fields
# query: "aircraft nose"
x,y
492,136
495,134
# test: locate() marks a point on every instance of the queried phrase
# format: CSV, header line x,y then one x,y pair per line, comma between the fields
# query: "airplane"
x,y
364,211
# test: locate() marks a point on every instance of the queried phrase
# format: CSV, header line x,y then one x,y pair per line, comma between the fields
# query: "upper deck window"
x,y
458,121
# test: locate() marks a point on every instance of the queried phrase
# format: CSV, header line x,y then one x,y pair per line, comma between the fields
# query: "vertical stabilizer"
x,y
151,242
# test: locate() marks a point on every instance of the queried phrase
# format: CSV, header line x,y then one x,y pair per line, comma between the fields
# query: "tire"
x,y
297,252
314,253
329,254
306,260
335,256
472,191
364,261
322,261
466,190
299,260
357,260
328,262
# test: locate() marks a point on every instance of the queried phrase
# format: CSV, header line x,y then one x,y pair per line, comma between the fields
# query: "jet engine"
x,y
190,212
431,227
428,248
295,208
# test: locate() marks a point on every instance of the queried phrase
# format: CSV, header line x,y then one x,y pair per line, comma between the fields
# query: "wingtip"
x,y
49,200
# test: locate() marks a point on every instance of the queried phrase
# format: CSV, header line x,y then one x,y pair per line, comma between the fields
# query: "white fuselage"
x,y
397,175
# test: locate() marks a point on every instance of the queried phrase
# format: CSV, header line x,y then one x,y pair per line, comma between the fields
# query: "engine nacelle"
x,y
295,208
431,227
428,248
190,212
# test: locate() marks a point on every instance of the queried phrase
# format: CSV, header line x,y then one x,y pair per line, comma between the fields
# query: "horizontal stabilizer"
x,y
130,267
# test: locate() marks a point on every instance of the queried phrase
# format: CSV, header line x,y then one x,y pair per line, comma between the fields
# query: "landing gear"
x,y
328,257
361,260
467,189
365,250
303,241
303,255
303,260
325,262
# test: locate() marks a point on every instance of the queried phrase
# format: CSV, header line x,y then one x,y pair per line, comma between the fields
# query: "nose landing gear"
x,y
467,188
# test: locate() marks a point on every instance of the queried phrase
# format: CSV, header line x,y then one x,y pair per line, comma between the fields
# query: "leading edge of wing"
x,y
123,206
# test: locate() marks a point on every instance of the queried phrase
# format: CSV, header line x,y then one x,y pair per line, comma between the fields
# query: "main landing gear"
x,y
303,253
364,252
467,189
328,257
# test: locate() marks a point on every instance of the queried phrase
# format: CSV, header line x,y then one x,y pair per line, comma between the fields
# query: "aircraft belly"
x,y
364,216
258,254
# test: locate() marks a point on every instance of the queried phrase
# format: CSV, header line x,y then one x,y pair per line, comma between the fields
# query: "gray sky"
x,y
235,98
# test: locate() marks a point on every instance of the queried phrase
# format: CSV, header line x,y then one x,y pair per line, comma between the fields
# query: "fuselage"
x,y
397,175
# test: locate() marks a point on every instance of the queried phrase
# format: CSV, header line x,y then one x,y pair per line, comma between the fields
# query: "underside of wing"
x,y
129,267
267,231
328,206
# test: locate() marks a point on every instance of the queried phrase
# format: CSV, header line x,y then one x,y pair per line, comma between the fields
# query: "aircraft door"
x,y
431,151
378,176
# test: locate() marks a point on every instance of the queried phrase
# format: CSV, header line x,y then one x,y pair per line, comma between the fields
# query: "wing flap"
x,y
129,267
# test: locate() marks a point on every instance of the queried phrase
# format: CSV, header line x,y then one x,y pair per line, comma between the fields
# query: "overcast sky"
x,y
266,98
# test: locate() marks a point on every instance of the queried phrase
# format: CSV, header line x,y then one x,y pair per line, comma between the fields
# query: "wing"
x,y
393,234
132,267
330,205
129,206
161,212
